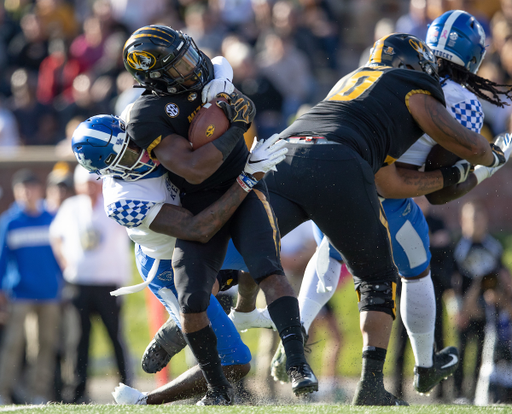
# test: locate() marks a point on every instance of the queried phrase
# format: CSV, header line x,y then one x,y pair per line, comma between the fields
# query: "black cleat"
x,y
218,396
371,394
446,362
302,378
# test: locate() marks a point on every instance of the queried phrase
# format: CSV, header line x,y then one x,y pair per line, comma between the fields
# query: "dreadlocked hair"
x,y
475,83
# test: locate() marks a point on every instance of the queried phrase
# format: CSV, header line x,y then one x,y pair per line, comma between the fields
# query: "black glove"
x,y
239,109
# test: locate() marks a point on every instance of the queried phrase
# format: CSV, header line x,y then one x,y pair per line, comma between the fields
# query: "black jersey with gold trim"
x,y
368,111
153,117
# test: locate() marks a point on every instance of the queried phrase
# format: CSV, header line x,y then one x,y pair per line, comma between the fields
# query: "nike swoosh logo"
x,y
166,58
452,362
256,161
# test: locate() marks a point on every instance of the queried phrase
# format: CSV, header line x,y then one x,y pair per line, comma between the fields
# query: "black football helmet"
x,y
401,50
165,60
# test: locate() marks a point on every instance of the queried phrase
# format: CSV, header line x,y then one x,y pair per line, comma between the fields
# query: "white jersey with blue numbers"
x,y
135,204
463,105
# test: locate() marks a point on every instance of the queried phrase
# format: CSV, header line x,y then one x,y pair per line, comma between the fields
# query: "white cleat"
x,y
123,394
258,318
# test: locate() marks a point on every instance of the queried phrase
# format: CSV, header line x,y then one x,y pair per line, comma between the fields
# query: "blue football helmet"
x,y
101,145
457,36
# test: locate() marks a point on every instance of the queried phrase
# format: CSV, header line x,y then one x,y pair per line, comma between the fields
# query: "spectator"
x,y
31,280
249,80
59,186
288,70
85,240
37,122
29,48
495,379
478,261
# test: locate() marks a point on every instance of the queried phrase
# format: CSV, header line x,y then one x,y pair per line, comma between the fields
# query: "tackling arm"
x,y
179,222
434,119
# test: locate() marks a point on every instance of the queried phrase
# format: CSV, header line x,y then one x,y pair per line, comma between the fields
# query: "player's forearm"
x,y
409,183
453,192
180,223
435,120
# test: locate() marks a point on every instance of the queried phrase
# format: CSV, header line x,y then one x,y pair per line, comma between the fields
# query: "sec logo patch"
x,y
172,110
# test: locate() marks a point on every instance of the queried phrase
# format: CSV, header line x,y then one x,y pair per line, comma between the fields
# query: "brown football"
x,y
209,124
439,157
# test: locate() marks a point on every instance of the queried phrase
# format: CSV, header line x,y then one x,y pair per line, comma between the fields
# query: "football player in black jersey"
x,y
171,68
369,118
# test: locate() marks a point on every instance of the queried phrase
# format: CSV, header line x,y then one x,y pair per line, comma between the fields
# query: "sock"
x,y
285,315
310,300
203,344
418,310
373,364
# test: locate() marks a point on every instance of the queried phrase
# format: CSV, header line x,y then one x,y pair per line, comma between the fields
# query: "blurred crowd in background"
x,y
61,62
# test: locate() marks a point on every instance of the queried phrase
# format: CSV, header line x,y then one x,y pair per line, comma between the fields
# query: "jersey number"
x,y
353,87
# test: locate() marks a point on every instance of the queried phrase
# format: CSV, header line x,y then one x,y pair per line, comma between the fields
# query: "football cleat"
x,y
445,363
303,379
258,318
369,393
218,396
278,364
123,394
168,341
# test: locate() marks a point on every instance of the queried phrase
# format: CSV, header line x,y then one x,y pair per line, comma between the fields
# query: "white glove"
x,y
265,155
216,86
123,394
505,143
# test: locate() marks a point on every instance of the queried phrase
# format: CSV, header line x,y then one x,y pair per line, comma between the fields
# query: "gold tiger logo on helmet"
x,y
141,60
210,130
420,48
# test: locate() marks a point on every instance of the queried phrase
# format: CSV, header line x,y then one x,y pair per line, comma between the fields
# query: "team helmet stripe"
x,y
377,54
447,28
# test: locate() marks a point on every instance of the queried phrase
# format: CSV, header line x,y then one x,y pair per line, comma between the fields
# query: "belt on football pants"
x,y
309,140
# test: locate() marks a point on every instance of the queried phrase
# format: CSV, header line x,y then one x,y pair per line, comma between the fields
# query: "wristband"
x,y
451,176
481,173
228,140
246,181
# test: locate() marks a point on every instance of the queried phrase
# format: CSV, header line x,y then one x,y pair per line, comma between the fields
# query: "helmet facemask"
x,y
101,145
166,61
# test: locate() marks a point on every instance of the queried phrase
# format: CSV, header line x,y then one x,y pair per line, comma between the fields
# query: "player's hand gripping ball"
x,y
209,124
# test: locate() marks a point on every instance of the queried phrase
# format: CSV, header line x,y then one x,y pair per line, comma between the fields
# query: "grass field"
x,y
243,409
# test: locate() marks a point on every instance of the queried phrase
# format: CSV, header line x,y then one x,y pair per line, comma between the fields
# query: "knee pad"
x,y
195,302
377,296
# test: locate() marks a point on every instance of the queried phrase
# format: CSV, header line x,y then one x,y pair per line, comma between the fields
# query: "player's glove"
x,y
123,394
501,150
216,86
455,174
239,109
503,142
265,155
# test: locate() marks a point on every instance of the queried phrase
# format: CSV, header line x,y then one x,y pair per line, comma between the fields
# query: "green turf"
x,y
243,409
